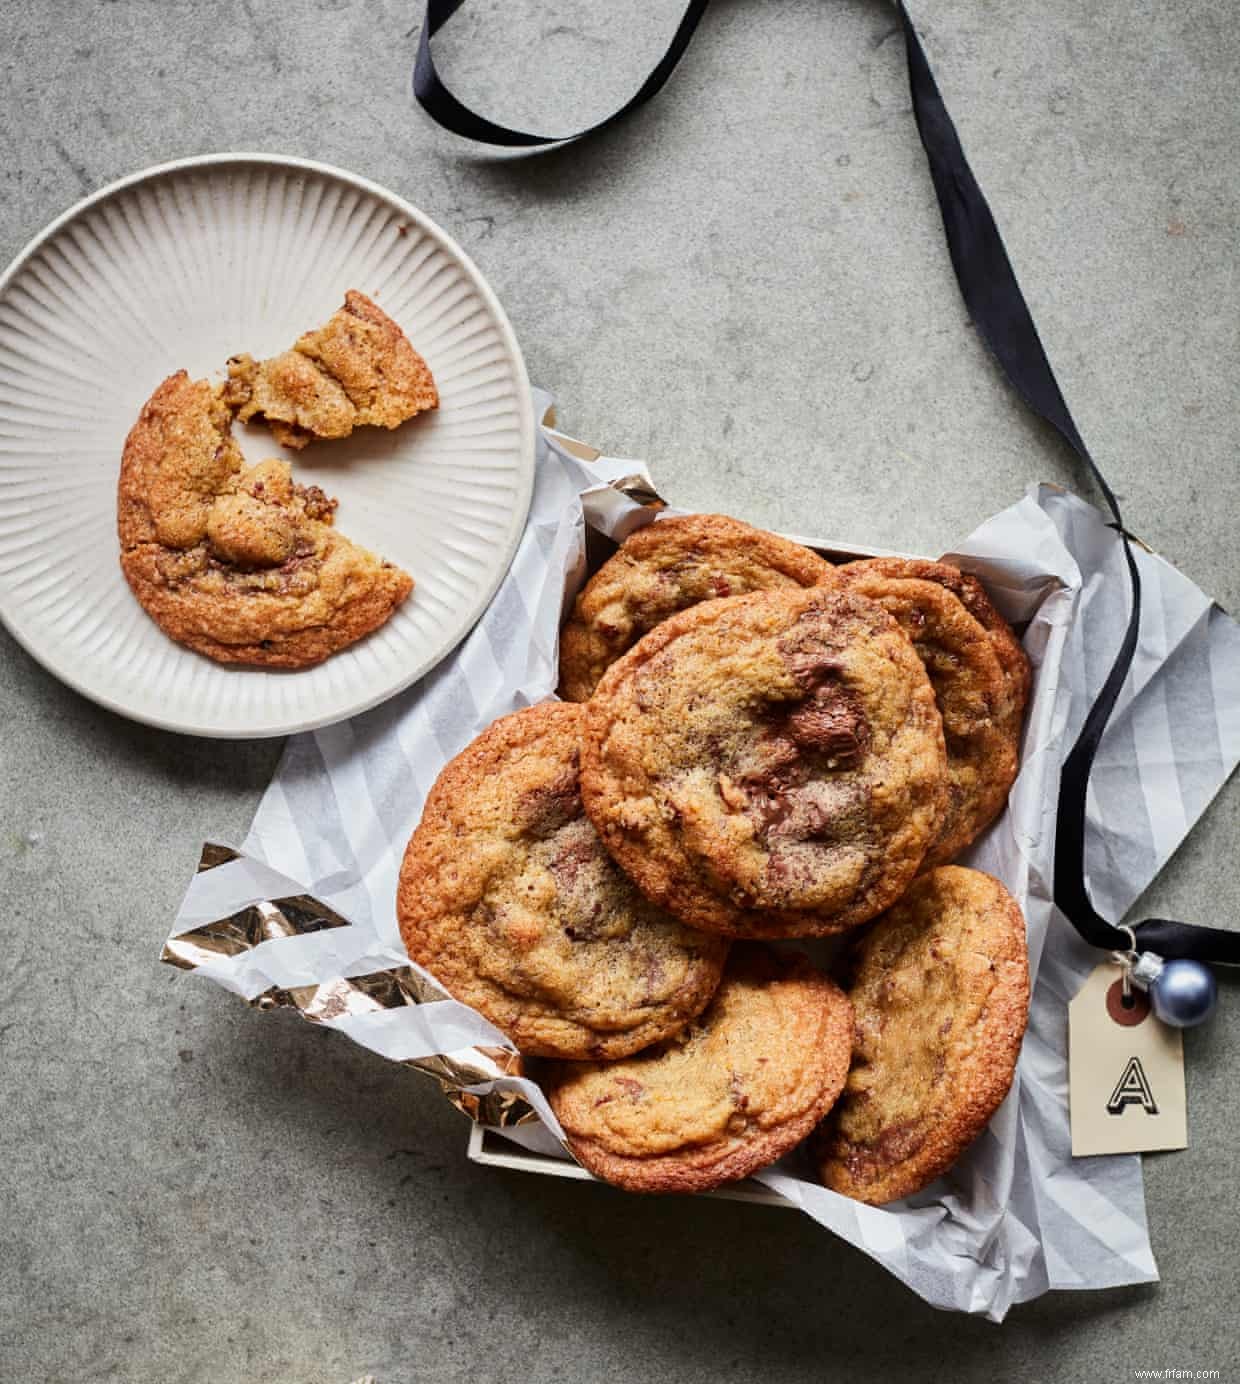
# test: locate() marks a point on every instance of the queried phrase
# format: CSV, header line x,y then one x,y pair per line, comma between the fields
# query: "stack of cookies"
x,y
752,744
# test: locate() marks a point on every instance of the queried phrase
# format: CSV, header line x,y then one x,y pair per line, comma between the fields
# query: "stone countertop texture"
x,y
747,285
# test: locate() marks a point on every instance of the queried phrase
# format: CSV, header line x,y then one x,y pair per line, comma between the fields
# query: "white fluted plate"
x,y
181,266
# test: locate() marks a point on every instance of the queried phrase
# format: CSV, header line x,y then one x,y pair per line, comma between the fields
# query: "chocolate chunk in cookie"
x,y
736,1090
768,765
666,567
972,694
509,899
357,369
940,988
242,565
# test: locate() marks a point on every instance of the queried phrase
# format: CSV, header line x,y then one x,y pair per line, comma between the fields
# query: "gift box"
x,y
302,914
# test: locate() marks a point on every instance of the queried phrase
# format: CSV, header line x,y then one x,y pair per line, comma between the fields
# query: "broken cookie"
x,y
240,564
357,370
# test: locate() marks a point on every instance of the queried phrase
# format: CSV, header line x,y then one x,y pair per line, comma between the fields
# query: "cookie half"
x,y
940,990
242,565
509,899
971,691
736,1090
357,369
664,568
769,765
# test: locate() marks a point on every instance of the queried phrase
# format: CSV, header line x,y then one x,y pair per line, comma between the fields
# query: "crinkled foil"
x,y
639,489
267,919
262,921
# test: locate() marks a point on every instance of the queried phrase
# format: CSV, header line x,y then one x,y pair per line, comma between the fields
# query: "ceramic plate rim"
x,y
525,405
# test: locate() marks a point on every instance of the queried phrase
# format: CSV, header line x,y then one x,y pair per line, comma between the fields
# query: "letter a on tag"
x,y
1125,1071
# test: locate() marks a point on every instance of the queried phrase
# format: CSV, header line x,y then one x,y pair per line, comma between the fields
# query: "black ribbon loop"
x,y
440,104
1002,317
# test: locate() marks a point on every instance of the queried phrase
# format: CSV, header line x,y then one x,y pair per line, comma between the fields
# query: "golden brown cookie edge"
x,y
582,648
975,599
994,1060
304,649
704,1168
1000,756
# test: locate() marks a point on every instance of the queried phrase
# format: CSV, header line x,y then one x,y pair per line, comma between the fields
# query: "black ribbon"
x,y
1002,318
440,104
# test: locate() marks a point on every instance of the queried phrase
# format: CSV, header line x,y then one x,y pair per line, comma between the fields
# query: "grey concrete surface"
x,y
745,284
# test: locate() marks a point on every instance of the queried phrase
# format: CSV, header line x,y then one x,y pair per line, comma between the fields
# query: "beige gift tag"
x,y
1125,1072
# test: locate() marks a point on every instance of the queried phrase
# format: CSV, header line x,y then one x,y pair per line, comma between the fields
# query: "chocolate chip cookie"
x,y
733,1092
768,765
972,694
508,898
668,566
940,988
242,565
357,369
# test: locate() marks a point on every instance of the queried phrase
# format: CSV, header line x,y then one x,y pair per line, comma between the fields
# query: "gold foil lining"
x,y
638,489
391,989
